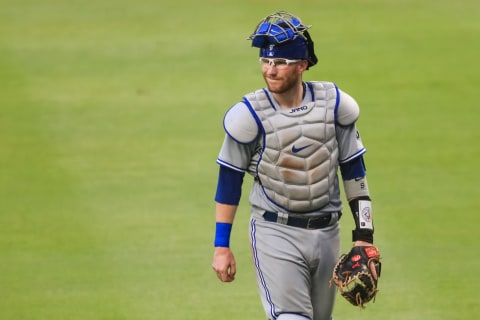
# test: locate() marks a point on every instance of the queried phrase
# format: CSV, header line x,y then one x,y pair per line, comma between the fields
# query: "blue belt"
x,y
305,223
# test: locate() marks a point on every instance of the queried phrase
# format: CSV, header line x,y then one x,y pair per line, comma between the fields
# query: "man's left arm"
x,y
358,196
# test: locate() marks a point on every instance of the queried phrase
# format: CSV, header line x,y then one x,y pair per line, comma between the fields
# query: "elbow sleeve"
x,y
229,186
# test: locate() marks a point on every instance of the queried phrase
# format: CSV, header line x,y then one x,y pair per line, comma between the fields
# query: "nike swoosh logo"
x,y
296,150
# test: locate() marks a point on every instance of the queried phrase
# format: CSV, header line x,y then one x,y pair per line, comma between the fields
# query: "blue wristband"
x,y
222,234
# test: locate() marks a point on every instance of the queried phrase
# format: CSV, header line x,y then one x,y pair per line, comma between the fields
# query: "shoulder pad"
x,y
240,124
348,110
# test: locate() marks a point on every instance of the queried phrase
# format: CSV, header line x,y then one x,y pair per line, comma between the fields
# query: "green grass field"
x,y
110,124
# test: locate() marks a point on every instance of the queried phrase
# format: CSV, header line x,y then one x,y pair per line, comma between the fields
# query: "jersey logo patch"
x,y
296,150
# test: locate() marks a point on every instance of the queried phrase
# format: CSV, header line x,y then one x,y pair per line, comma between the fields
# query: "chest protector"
x,y
298,163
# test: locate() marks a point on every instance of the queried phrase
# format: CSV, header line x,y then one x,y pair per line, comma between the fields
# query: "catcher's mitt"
x,y
353,276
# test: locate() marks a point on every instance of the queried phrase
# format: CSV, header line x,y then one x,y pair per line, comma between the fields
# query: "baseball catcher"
x,y
356,275
292,136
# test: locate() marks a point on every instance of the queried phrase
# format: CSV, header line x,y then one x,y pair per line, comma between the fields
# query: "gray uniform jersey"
x,y
241,152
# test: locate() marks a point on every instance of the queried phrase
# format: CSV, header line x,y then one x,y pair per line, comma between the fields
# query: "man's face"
x,y
280,76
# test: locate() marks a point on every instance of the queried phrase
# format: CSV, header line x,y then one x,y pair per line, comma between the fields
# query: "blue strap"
x,y
222,234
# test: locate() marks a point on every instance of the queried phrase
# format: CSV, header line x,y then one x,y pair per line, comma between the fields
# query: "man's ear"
x,y
303,65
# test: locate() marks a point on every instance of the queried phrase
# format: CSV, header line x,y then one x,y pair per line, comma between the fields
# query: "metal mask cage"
x,y
277,28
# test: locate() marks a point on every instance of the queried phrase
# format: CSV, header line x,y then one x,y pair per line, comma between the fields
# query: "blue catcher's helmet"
x,y
283,35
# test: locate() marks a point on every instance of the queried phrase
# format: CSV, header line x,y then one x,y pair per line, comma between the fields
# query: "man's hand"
x,y
224,264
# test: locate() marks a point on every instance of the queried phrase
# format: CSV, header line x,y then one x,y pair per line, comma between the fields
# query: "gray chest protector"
x,y
298,164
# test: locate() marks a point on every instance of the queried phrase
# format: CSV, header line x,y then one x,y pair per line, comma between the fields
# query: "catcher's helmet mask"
x,y
283,29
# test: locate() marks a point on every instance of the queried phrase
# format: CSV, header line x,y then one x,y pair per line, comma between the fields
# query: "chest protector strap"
x,y
298,163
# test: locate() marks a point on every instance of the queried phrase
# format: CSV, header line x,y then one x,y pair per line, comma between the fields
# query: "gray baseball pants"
x,y
294,267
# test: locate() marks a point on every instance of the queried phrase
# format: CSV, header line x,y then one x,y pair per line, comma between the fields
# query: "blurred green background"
x,y
110,125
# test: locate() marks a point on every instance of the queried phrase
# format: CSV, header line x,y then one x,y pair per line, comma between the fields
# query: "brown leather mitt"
x,y
353,276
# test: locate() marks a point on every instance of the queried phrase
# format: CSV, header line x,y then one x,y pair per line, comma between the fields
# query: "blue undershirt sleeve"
x,y
354,168
229,186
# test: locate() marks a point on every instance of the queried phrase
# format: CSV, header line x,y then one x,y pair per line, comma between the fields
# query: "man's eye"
x,y
280,62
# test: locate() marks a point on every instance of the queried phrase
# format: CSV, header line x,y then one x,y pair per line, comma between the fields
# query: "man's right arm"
x,y
223,258
229,190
